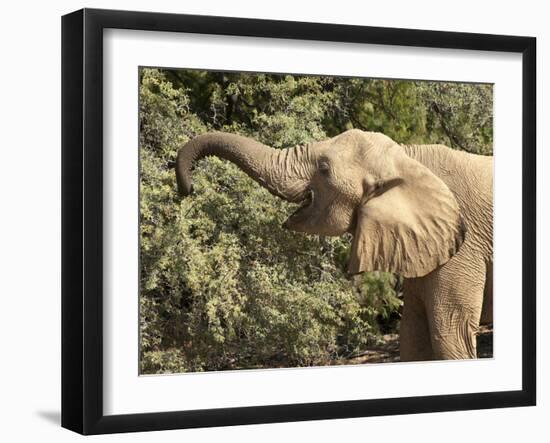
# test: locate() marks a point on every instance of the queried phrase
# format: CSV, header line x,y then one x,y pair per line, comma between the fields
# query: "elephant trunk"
x,y
283,172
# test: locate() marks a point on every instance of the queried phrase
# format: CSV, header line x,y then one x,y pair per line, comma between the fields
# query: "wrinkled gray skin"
x,y
422,211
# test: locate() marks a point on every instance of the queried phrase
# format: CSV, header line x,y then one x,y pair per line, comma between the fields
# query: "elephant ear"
x,y
409,223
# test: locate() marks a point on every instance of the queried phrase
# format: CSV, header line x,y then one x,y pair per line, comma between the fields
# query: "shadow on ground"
x,y
387,349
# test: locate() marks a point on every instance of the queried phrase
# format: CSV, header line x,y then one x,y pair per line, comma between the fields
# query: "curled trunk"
x,y
284,172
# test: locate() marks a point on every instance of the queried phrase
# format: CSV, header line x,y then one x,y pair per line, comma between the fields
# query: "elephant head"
x,y
403,218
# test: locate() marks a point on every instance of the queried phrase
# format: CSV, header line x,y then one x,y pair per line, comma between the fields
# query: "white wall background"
x,y
30,218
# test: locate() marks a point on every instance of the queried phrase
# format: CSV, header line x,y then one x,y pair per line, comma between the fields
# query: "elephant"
x,y
422,211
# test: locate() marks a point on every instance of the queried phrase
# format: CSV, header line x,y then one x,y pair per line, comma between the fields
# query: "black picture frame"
x,y
82,218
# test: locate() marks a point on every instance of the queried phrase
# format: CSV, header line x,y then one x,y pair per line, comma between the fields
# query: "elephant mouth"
x,y
299,215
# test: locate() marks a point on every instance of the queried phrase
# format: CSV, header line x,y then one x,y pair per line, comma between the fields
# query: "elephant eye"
x,y
324,168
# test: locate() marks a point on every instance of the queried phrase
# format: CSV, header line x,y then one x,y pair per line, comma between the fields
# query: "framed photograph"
x,y
269,221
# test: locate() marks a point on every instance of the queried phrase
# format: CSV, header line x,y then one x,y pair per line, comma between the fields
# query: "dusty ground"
x,y
388,350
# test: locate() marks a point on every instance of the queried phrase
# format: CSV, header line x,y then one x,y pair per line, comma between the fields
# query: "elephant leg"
x,y
487,309
414,333
454,307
